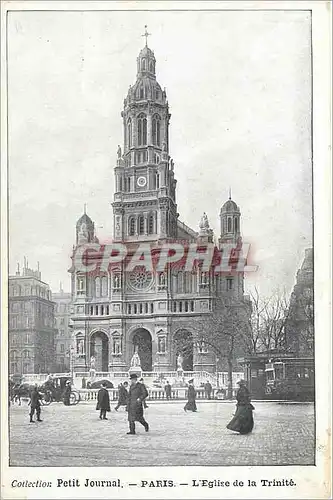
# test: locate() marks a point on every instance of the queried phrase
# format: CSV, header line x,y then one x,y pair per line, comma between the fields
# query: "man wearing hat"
x,y
67,393
136,395
191,393
103,401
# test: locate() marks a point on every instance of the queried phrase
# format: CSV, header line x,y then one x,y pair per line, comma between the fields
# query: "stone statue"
x,y
135,361
119,151
204,223
116,281
162,279
92,363
180,360
172,165
164,146
80,347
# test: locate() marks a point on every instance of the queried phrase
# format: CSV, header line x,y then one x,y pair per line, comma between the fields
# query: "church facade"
x,y
118,313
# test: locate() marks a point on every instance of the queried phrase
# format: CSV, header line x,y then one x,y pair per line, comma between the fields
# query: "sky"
x,y
239,90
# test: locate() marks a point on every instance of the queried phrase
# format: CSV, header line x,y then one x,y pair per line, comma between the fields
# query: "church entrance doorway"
x,y
99,348
142,341
183,345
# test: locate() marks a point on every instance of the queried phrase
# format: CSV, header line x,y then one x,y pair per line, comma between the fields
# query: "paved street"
x,y
74,436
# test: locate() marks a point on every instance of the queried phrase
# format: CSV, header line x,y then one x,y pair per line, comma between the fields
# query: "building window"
x,y
236,224
62,347
129,133
151,224
142,130
157,181
104,286
91,310
131,226
143,64
230,284
97,287
192,305
156,126
229,224
141,224
107,310
151,308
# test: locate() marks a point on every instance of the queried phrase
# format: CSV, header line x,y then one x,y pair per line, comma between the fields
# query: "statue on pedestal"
x,y
135,361
119,151
92,363
180,360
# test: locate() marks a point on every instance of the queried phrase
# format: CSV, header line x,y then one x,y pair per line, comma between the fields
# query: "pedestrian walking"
x,y
67,393
122,395
103,401
191,394
136,395
144,401
167,389
208,389
34,403
242,421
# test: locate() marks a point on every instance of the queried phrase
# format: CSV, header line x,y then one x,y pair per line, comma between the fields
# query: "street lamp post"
x,y
71,361
217,373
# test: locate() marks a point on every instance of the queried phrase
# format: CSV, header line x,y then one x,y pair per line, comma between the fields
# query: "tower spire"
x,y
229,193
85,209
146,34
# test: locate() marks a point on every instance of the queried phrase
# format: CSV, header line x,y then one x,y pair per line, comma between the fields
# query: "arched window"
x,y
104,286
157,181
151,224
142,130
141,224
229,224
236,224
131,226
156,125
129,133
143,64
141,92
151,67
97,287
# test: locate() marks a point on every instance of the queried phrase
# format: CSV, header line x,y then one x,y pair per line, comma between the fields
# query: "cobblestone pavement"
x,y
74,436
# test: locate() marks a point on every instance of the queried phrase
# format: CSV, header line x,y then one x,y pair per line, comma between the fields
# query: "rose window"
x,y
140,279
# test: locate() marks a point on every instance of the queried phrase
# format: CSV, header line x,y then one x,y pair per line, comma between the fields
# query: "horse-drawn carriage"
x,y
52,390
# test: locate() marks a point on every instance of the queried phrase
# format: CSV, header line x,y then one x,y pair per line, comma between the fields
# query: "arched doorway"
x,y
142,339
99,348
183,344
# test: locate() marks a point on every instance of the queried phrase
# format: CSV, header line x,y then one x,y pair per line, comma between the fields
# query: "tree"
x,y
224,332
268,322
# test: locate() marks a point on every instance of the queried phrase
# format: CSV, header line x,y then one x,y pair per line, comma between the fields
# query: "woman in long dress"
x,y
191,393
242,422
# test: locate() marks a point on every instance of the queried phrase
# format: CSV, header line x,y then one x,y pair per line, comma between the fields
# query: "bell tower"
x,y
144,204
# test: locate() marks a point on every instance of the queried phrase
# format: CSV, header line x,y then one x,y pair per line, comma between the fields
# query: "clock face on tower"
x,y
141,181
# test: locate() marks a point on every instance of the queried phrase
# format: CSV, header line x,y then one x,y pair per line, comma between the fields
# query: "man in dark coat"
x,y
122,395
35,398
67,393
144,401
191,393
167,389
136,395
103,401
208,389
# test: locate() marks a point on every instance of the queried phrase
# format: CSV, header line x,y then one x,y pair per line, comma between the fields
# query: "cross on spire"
x,y
146,34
